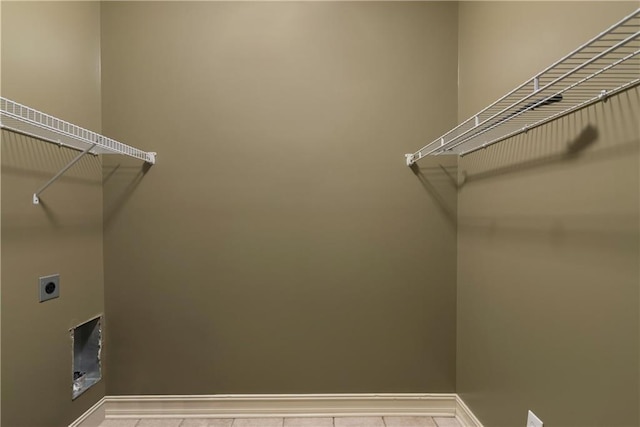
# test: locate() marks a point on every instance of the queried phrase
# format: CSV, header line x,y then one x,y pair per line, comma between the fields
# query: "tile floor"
x,y
290,422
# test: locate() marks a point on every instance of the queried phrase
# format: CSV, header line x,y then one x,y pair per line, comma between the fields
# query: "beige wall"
x,y
547,242
0,226
280,244
278,247
50,60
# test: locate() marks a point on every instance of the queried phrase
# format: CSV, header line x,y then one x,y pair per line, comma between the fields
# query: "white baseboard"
x,y
93,417
464,414
278,405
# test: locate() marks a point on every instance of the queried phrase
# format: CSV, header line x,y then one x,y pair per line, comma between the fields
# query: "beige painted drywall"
x,y
50,61
547,240
0,227
280,244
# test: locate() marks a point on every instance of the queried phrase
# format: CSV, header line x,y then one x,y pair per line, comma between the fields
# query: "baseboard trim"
x,y
464,414
93,417
279,405
234,406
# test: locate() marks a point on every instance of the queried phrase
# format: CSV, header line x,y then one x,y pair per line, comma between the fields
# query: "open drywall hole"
x,y
86,341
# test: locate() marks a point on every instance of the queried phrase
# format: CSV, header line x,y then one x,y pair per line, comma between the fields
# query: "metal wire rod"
x,y
70,134
27,121
595,70
539,103
526,98
36,195
606,32
36,136
554,117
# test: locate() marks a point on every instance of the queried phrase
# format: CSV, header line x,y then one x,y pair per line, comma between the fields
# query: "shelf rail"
x,y
30,122
604,66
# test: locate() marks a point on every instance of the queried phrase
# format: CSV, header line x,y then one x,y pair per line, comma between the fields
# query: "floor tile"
x,y
258,422
409,422
358,422
195,422
446,422
308,422
119,423
159,422
207,422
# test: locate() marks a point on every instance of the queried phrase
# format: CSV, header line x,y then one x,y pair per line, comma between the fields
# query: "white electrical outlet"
x,y
533,421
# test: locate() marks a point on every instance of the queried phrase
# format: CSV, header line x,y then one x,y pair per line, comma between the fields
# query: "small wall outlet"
x,y
49,287
533,421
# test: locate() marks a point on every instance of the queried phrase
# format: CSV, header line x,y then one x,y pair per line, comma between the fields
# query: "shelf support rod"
x,y
36,199
40,137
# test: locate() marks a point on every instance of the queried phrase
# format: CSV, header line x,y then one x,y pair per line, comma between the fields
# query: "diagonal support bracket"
x,y
36,198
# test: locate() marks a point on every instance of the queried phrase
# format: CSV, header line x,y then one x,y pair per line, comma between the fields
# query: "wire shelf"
x,y
25,120
605,65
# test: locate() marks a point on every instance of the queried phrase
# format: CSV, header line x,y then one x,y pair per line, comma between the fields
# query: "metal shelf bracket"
x,y
36,198
410,159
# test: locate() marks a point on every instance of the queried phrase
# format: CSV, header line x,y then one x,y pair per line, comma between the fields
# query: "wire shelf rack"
x,y
25,120
607,64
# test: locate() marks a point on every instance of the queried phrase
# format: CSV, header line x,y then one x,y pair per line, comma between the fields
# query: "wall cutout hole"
x,y
86,341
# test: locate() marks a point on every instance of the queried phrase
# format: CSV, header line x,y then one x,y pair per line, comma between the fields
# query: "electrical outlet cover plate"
x,y
533,421
49,287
